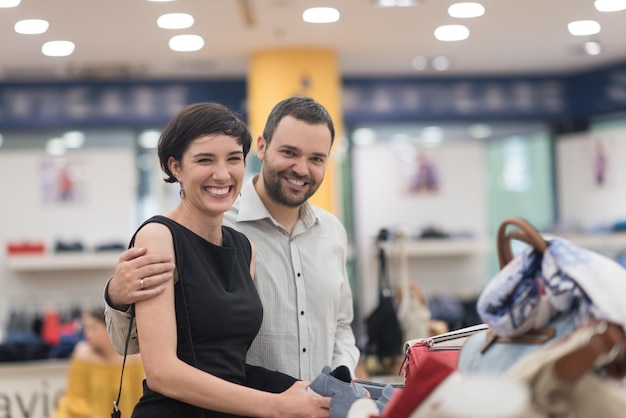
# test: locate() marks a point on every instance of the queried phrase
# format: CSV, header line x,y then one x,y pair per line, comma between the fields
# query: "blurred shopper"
x,y
94,374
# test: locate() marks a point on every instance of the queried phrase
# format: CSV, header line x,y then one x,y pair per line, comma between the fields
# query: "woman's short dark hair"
x,y
301,108
198,120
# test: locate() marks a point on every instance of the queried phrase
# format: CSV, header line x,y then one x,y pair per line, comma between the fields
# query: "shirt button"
x,y
301,312
304,350
298,274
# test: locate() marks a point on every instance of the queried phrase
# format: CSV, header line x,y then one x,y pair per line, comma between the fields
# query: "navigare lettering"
x,y
34,404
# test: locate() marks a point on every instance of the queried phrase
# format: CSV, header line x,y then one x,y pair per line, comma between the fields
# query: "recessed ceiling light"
x,y
396,3
58,48
610,5
321,15
466,10
31,26
420,63
9,3
441,63
583,27
186,43
451,33
592,48
175,21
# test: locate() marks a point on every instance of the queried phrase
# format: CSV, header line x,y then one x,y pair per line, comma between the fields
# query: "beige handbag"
x,y
413,312
580,376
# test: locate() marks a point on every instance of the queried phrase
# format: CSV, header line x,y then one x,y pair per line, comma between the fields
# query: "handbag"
x,y
547,292
116,413
444,347
383,328
413,312
578,376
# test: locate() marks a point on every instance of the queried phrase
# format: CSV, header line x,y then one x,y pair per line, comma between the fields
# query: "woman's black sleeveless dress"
x,y
218,314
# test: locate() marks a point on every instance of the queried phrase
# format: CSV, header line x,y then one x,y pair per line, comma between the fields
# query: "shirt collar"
x,y
251,207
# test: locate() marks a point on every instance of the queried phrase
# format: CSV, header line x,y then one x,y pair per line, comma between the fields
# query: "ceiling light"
x,y
480,131
9,3
58,48
396,3
583,27
31,26
149,139
420,63
451,33
432,135
610,5
175,21
74,139
441,63
186,43
320,15
592,48
466,10
55,146
364,136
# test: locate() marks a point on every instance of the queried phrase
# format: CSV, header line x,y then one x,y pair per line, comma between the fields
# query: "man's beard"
x,y
276,191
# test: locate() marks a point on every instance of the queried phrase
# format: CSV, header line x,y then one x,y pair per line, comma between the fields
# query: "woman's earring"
x,y
181,193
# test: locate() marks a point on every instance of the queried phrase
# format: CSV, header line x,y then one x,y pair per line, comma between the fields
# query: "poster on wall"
x,y
600,173
420,171
63,181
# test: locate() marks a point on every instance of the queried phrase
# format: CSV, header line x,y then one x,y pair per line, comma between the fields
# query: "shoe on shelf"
x,y
338,385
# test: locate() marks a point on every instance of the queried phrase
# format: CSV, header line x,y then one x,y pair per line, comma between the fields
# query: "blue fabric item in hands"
x,y
339,386
384,398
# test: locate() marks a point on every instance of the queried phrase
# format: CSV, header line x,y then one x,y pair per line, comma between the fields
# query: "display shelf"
x,y
59,262
609,241
434,247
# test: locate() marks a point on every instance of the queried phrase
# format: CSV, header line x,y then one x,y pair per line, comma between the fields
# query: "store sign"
x,y
132,103
108,104
458,99
31,389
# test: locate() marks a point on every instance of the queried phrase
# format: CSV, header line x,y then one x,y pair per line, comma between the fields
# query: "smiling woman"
x,y
193,365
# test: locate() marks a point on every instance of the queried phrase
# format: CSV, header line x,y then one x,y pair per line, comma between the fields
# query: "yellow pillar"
x,y
276,74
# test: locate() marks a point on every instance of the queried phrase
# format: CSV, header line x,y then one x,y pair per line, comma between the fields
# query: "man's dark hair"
x,y
301,108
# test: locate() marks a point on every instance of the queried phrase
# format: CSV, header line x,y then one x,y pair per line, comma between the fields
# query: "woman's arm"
x,y
166,374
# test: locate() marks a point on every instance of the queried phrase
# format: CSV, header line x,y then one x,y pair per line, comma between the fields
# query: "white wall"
x,y
582,201
105,215
380,175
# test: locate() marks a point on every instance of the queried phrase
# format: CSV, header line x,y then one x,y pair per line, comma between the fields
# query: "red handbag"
x,y
427,363
445,347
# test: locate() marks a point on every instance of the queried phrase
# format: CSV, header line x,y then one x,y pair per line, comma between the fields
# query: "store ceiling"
x,y
120,38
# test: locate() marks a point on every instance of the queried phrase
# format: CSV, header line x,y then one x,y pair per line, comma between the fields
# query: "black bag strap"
x,y
116,411
384,283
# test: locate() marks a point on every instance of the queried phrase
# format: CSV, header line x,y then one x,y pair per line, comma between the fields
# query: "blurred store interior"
x,y
520,111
